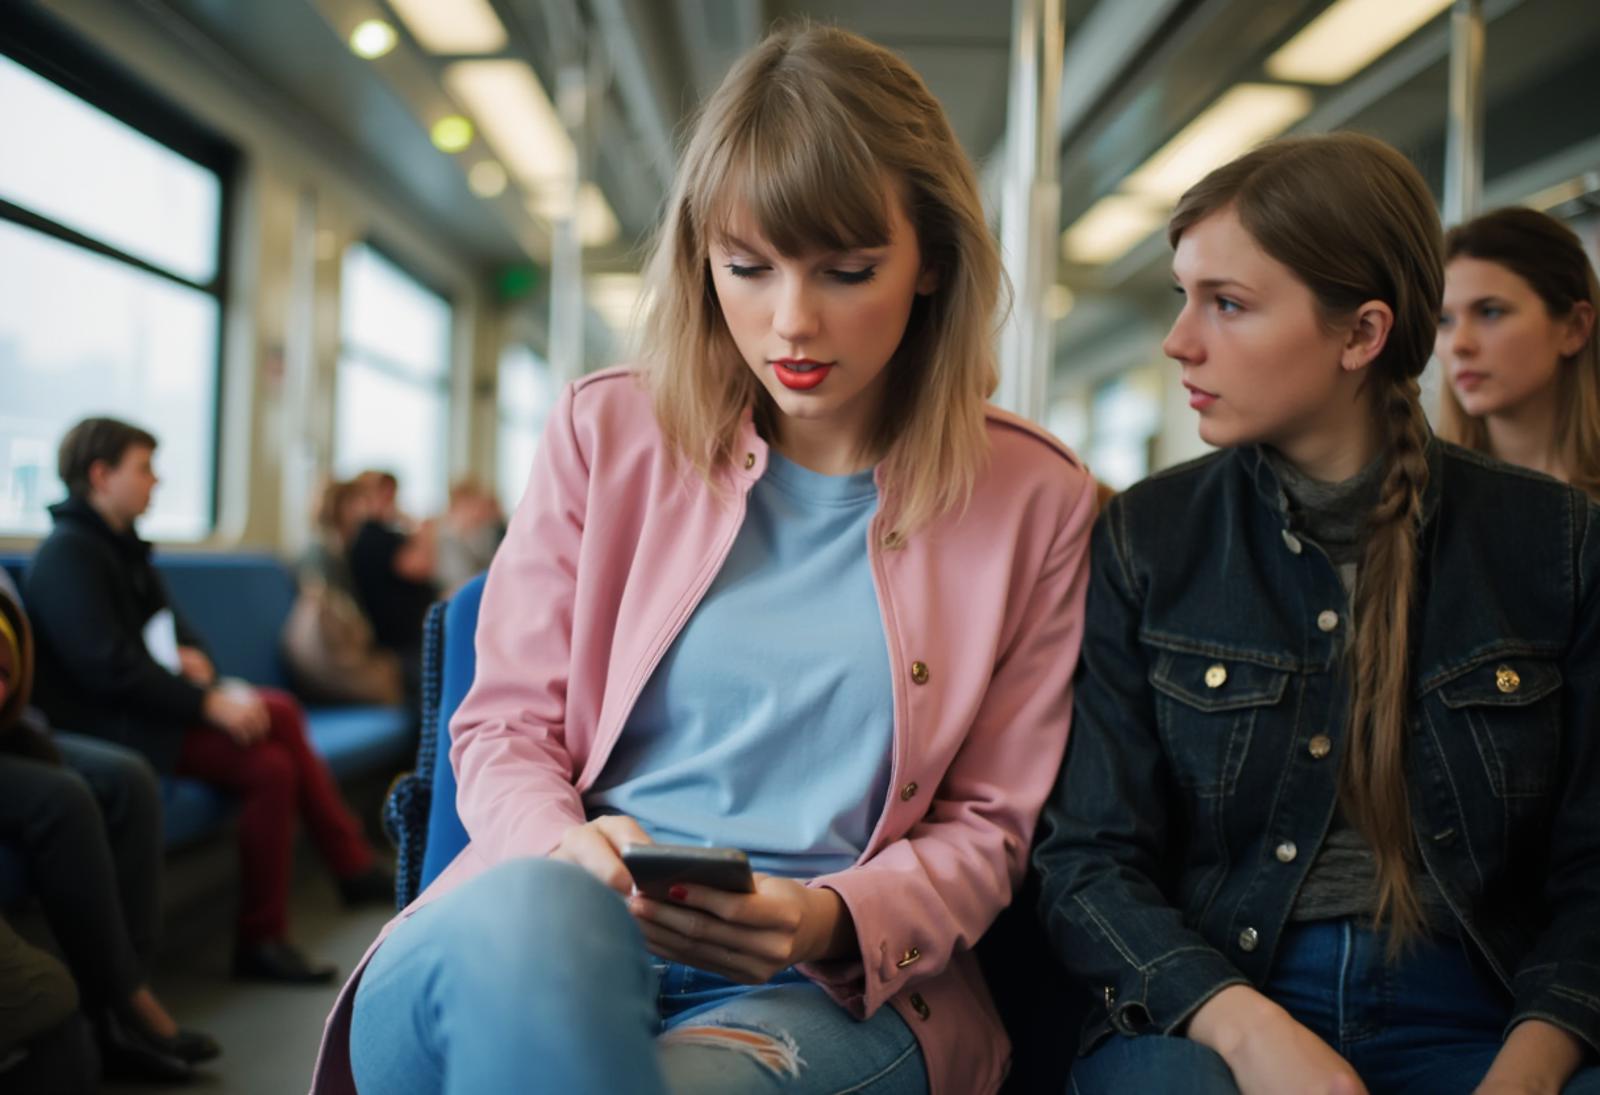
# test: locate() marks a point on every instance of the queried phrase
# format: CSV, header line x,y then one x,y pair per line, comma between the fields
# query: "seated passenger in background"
x,y
790,586
86,818
1518,341
1330,821
466,536
117,660
327,638
45,1044
391,567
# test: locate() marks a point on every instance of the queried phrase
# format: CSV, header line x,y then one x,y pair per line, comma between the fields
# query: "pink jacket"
x,y
608,554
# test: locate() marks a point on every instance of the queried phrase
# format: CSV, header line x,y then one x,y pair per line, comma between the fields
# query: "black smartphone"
x,y
656,868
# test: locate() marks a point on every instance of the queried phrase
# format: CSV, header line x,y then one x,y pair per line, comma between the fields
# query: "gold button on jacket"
x,y
1216,676
908,957
908,792
1507,679
919,672
1319,746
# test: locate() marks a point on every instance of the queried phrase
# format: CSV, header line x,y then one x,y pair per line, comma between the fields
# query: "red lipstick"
x,y
801,374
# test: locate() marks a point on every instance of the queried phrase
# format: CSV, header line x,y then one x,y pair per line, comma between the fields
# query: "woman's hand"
x,y
1267,1051
750,937
1538,1058
597,848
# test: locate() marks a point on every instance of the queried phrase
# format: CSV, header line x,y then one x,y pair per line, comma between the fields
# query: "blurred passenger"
x,y
45,1044
789,586
382,490
1518,343
468,534
392,571
118,661
327,639
96,875
1331,817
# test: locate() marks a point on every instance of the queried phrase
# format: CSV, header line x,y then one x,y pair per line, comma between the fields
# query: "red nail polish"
x,y
678,893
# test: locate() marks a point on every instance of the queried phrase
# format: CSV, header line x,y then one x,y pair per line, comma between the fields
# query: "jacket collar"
x,y
76,512
1253,459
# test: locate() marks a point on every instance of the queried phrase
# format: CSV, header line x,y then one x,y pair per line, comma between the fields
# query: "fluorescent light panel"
x,y
1111,226
1348,37
515,116
597,224
1242,118
452,26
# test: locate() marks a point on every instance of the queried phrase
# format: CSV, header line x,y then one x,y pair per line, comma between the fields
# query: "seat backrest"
x,y
457,663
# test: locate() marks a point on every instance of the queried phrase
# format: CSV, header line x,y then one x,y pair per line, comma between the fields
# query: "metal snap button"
x,y
1327,619
908,957
919,672
1319,746
1216,676
1249,939
749,460
908,792
1286,852
1507,679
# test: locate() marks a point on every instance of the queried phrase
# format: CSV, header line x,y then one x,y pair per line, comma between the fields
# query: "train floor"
x,y
268,1033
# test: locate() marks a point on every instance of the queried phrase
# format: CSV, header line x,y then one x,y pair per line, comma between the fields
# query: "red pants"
x,y
276,778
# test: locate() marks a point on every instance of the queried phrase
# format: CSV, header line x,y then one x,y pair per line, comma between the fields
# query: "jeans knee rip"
x,y
773,1050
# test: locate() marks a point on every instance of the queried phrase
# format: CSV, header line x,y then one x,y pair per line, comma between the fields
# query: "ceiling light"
x,y
372,39
487,179
597,224
517,119
1059,299
452,133
615,298
1111,226
1242,118
1348,37
452,26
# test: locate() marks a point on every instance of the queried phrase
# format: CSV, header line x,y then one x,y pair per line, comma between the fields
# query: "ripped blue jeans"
x,y
533,977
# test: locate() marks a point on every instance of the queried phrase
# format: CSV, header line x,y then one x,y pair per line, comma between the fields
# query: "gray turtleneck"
x,y
1343,880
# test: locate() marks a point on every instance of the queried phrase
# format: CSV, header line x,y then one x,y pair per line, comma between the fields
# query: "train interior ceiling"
x,y
299,239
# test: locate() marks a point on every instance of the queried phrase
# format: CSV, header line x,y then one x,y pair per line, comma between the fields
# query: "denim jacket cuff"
x,y
1161,996
1541,995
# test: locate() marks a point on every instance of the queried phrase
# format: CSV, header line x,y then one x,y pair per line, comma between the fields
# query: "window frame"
x,y
42,44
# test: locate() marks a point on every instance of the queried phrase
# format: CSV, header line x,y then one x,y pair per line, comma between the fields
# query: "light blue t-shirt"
x,y
769,723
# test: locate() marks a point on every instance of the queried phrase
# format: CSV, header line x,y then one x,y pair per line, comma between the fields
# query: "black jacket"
x,y
1209,725
90,591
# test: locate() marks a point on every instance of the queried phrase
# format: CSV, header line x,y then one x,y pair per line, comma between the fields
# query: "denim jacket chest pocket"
x,y
1207,710
1509,707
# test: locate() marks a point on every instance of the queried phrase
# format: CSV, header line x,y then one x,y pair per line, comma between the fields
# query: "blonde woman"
x,y
790,587
1517,339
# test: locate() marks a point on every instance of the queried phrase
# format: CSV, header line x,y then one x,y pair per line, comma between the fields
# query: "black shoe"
x,y
275,960
193,1046
129,1052
373,886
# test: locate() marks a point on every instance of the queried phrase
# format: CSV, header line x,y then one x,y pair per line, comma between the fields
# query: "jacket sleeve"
x,y
931,894
1559,981
71,591
1106,832
508,744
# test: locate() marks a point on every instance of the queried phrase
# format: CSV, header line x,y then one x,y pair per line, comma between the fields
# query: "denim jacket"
x,y
1209,727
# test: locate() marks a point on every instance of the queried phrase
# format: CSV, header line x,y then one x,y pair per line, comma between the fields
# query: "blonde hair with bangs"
x,y
811,132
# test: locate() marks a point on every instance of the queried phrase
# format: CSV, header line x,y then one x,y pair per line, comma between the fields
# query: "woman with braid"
x,y
1329,819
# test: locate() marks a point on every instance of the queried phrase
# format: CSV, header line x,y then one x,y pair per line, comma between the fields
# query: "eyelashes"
x,y
843,277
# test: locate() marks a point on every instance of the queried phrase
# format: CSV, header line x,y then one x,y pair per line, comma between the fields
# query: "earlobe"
x,y
1580,328
928,281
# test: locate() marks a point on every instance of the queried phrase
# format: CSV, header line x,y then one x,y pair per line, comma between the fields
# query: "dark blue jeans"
x,y
1431,1022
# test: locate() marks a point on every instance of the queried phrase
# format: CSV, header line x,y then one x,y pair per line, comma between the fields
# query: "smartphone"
x,y
656,868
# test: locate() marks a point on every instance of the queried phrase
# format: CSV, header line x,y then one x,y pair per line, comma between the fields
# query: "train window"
x,y
110,299
393,397
525,396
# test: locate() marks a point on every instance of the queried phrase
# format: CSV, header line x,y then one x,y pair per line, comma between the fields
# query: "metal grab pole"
x,y
1030,212
1463,160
